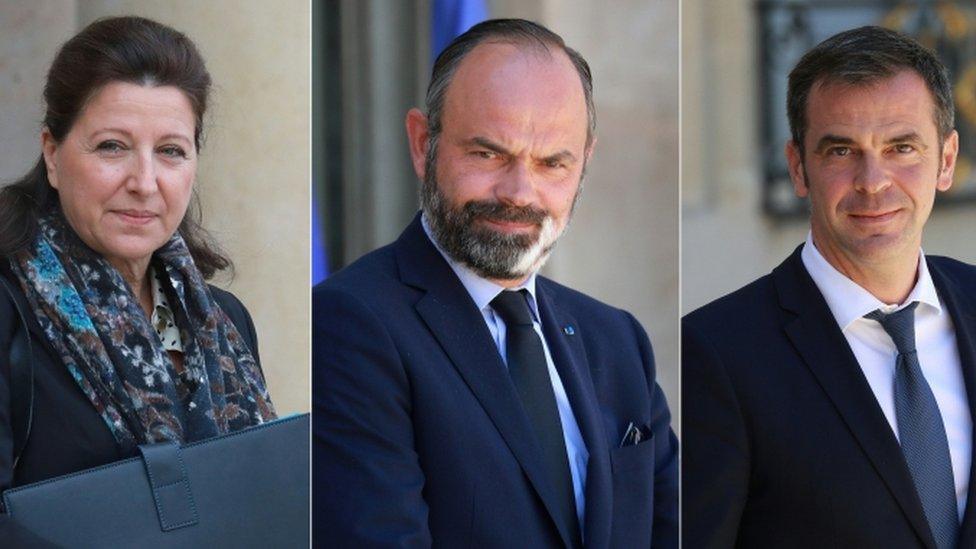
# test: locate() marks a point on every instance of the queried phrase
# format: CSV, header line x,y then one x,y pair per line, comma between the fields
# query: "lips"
x,y
873,217
507,225
135,217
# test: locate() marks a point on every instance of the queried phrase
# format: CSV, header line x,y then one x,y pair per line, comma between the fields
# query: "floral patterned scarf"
x,y
95,323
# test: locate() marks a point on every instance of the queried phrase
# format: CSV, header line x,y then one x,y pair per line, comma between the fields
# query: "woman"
x,y
109,335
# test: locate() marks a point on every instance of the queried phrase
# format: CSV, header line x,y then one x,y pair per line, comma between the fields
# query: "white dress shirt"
x,y
935,341
482,291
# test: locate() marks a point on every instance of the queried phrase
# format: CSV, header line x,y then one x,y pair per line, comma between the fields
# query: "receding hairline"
x,y
537,45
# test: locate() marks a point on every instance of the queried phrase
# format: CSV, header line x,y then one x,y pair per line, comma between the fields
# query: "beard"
x,y
461,231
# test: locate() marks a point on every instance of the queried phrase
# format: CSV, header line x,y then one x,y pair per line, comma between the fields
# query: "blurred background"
x,y
254,166
740,217
372,63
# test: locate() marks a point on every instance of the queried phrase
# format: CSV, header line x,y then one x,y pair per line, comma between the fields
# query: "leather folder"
x,y
249,488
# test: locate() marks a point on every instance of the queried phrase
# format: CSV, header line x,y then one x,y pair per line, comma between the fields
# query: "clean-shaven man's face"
x,y
871,166
509,160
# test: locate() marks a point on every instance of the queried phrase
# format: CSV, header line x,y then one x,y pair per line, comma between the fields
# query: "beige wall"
x,y
253,175
726,240
22,74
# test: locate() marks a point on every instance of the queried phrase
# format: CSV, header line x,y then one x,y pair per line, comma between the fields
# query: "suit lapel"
x,y
457,324
569,357
961,306
813,330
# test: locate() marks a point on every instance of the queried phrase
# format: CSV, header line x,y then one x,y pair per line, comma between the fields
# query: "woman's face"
x,y
125,171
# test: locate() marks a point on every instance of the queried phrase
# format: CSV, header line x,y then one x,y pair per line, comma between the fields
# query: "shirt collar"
x,y
481,290
848,301
163,320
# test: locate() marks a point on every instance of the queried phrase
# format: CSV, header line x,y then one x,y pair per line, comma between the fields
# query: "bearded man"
x,y
459,398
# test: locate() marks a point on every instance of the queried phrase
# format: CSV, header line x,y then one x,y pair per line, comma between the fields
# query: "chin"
x,y
131,250
882,248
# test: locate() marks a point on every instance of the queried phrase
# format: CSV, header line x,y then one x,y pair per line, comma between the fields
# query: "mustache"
x,y
500,212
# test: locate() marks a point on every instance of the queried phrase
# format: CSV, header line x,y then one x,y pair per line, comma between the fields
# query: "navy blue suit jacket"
x,y
420,438
785,444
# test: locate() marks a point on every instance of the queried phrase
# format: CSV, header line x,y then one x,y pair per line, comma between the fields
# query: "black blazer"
x,y
66,434
420,438
785,444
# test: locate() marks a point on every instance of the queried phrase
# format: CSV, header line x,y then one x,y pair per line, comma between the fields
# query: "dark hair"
x,y
863,56
517,31
118,49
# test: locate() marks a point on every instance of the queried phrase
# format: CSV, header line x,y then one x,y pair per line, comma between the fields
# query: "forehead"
x,y
520,88
900,102
131,106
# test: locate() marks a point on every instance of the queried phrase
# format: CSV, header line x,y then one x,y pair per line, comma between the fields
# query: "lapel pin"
x,y
569,330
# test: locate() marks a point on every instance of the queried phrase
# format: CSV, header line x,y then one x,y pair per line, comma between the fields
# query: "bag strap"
x,y
21,378
170,485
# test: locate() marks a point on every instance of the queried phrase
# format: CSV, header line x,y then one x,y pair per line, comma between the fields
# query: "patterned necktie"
x,y
530,374
921,432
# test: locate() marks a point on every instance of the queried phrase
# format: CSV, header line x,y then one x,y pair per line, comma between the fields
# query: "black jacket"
x,y
66,432
785,443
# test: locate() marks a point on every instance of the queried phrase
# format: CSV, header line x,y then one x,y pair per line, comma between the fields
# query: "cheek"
x,y
832,172
916,176
828,185
558,199
88,186
461,183
177,192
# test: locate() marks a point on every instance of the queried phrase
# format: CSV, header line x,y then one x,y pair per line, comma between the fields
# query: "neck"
x,y
890,280
136,275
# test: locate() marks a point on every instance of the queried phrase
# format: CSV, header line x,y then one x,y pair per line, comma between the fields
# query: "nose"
x,y
872,177
517,187
141,178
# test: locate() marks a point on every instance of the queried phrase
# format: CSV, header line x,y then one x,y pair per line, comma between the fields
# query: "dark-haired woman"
x,y
110,336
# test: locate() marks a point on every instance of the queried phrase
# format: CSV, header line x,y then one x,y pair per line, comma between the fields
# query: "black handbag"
x,y
249,488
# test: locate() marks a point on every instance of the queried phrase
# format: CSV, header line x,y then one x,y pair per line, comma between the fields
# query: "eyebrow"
x,y
910,137
128,134
559,156
831,140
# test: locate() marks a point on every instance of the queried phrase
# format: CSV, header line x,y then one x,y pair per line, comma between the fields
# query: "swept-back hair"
x,y
118,49
863,56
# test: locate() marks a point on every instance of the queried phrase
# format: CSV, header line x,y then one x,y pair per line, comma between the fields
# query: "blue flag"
x,y
449,18
320,265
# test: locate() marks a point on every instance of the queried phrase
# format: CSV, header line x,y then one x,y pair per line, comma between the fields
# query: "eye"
x,y
553,163
904,148
839,151
110,146
173,151
487,155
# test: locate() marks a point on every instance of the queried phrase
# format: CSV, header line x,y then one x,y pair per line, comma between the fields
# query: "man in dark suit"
x,y
461,400
829,403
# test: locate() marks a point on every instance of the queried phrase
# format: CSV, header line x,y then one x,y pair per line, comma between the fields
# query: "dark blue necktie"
x,y
530,374
920,429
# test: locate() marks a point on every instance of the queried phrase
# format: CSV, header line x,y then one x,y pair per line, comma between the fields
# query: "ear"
x,y
794,161
950,152
49,147
589,151
418,137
